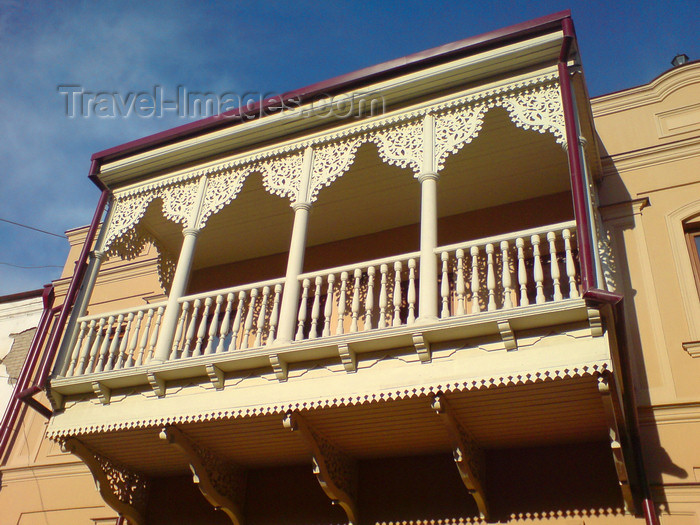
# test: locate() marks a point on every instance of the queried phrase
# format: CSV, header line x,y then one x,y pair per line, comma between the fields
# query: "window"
x,y
692,237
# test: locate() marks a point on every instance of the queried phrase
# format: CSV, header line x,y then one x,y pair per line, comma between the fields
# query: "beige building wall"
x,y
649,192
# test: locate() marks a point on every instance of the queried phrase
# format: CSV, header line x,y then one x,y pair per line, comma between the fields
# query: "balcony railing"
x,y
507,272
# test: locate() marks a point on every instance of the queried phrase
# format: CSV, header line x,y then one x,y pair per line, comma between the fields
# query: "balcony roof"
x,y
363,77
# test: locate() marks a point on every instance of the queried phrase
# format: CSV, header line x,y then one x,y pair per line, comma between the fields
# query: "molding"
x,y
693,348
682,413
468,456
336,472
651,156
220,482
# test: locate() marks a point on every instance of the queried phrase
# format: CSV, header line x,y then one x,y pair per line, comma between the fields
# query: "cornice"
x,y
669,414
652,156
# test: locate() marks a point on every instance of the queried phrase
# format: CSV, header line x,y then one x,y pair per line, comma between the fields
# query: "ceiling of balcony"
x,y
504,164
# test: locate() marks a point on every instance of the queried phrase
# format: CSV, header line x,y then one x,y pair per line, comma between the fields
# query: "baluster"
x,y
369,299
539,275
226,323
328,308
191,328
460,286
355,308
476,308
490,277
274,316
554,266
114,346
238,320
316,308
214,325
262,317
130,361
99,367
505,277
445,285
411,296
249,318
301,318
154,335
383,269
123,357
397,295
75,354
570,266
80,367
522,271
95,348
144,339
341,302
202,327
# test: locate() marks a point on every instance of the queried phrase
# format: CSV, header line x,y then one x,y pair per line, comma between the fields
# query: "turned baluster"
x,y
249,318
201,333
328,308
89,335
460,286
123,356
75,354
179,332
522,271
131,352
143,345
369,298
341,303
95,348
262,317
99,367
505,277
537,271
383,301
554,266
570,266
316,308
411,295
301,318
191,329
240,308
226,323
397,295
154,335
476,308
445,285
355,304
274,316
114,346
490,277
214,325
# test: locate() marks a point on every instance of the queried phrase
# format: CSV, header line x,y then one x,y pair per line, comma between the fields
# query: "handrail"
x,y
124,311
351,267
233,289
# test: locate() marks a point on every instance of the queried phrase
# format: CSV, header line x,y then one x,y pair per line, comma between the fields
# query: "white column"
x,y
428,271
295,262
177,290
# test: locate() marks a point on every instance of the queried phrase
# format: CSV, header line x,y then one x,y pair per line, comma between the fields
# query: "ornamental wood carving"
x,y
125,490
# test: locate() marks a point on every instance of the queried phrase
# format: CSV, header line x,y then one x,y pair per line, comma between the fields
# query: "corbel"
x,y
216,376
468,456
220,482
605,387
348,357
157,384
336,471
124,490
595,322
422,347
102,391
57,400
507,335
279,366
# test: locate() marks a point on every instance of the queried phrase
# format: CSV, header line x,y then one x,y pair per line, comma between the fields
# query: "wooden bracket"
x,y
348,357
336,471
595,322
122,489
157,384
54,397
216,376
605,387
102,391
507,335
222,483
279,366
468,456
422,347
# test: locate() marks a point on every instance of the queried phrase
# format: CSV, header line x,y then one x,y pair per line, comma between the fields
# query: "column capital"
x,y
100,255
581,141
190,232
301,206
428,175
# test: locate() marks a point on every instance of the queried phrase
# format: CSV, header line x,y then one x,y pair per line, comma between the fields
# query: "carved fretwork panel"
x,y
606,387
468,456
456,128
336,471
222,483
538,108
401,144
330,162
122,489
282,175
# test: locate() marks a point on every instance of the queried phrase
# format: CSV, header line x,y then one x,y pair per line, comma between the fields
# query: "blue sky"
x,y
241,47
